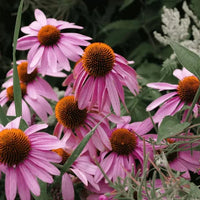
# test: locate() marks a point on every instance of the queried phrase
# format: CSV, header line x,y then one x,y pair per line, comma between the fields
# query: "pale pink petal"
x,y
26,115
66,25
45,165
26,42
162,86
67,187
62,60
46,155
86,93
23,190
40,17
30,180
38,172
76,38
11,184
35,128
29,30
80,175
52,60
113,95
160,100
11,110
36,58
181,74
14,123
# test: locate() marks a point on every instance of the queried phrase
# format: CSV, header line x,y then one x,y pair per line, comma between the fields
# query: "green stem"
x,y
16,84
196,98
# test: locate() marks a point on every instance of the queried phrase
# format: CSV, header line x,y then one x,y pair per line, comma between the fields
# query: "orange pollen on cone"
x,y
187,88
123,141
63,154
68,114
10,91
98,59
23,75
14,146
49,35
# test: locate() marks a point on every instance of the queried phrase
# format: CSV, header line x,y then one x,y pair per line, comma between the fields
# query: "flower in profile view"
x,y
100,76
49,46
34,89
72,120
127,150
26,156
182,94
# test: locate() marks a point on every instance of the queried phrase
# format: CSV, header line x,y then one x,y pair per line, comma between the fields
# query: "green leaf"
x,y
3,117
16,84
170,126
122,24
79,149
187,58
125,4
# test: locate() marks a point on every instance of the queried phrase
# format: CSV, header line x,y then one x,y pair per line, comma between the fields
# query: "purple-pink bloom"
x,y
182,94
35,91
127,150
100,76
26,156
50,49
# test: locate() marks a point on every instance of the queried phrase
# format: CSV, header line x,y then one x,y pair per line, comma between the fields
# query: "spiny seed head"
x,y
123,141
187,88
48,35
68,114
14,146
98,59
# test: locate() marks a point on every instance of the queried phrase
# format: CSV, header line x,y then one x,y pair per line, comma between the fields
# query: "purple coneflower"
x,y
172,102
26,156
49,47
34,91
100,76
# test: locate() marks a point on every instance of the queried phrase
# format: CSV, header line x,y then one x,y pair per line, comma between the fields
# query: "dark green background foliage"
x,y
126,25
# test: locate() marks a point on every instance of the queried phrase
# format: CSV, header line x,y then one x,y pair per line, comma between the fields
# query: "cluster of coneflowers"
x,y
94,93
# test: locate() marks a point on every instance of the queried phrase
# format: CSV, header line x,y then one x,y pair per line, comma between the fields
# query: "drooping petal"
x,y
67,187
11,183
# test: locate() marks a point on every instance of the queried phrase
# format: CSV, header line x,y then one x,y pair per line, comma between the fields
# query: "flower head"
x,y
127,150
50,47
174,101
34,91
26,156
100,76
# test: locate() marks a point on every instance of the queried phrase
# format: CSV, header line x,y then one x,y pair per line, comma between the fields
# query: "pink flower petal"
x,y
40,17
14,123
160,100
162,86
35,128
26,42
67,187
11,183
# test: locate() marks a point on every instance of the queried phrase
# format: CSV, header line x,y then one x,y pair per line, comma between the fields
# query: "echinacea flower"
x,y
50,48
72,120
183,158
34,91
82,169
100,76
182,94
127,150
26,156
